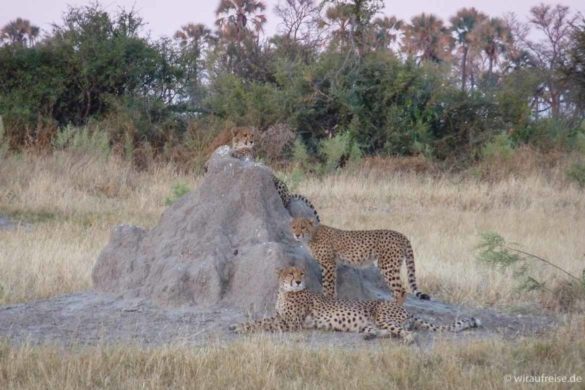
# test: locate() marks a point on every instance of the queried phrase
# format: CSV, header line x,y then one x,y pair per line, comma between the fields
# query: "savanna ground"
x,y
67,203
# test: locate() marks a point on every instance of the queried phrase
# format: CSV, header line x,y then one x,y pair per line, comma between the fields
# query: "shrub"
x,y
83,140
300,154
3,140
275,142
494,251
576,173
335,149
498,149
178,191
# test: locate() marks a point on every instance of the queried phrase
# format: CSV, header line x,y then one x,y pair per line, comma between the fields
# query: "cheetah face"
x,y
244,137
302,229
292,279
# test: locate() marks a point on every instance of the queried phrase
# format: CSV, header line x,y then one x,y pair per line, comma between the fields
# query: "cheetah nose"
x,y
298,282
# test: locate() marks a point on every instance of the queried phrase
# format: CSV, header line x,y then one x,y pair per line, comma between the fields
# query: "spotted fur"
x,y
287,197
297,308
385,248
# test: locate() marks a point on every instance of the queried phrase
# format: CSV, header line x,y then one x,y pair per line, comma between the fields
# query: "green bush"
x,y
3,140
300,155
83,140
576,173
178,191
499,148
496,252
334,149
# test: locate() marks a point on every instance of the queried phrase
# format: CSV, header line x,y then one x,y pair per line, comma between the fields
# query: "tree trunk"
x,y
464,68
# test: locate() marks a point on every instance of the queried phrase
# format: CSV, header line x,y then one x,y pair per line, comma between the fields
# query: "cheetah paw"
x,y
369,336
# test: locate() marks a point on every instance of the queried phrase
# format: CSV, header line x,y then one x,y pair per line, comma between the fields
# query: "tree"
x,y
351,22
386,31
462,25
493,37
574,71
427,38
19,32
555,23
236,19
194,40
298,19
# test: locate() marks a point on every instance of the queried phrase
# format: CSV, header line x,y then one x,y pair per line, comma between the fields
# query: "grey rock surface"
x,y
220,244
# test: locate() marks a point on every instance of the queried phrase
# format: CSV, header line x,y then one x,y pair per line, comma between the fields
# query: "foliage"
x,y
83,140
3,140
576,173
495,251
178,191
300,154
427,86
499,148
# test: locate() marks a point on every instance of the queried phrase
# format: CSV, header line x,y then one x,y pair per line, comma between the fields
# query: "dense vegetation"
x,y
339,73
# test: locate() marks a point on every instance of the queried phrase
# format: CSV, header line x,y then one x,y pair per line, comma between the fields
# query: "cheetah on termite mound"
x,y
385,248
242,142
297,308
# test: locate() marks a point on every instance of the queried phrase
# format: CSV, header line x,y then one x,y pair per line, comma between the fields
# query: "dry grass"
x,y
67,204
70,202
73,201
261,363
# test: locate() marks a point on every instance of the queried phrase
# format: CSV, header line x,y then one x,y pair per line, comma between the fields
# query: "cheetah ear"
x,y
280,269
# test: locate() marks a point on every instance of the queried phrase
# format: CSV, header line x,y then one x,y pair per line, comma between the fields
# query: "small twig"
x,y
545,261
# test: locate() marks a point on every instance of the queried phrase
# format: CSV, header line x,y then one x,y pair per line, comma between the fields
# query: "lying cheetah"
x,y
385,248
298,308
238,138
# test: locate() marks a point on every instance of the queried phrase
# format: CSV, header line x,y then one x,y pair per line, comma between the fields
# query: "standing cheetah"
x,y
298,308
385,248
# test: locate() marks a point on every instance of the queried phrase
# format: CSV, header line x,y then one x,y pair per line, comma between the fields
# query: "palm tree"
x,y
339,18
462,24
428,38
19,32
386,30
194,35
234,18
493,36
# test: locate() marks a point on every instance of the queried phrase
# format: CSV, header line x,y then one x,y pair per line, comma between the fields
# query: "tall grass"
x,y
267,363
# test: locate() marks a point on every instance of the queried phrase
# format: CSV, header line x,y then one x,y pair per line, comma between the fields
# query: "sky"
x,y
165,17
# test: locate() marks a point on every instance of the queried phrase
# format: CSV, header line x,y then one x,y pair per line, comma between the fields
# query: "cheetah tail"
x,y
409,260
457,326
308,203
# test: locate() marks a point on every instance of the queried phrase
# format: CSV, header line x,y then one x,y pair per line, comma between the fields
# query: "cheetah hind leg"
x,y
393,329
392,278
272,324
371,332
457,326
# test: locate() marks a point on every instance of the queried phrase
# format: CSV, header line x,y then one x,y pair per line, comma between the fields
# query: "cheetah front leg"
x,y
390,270
329,274
271,324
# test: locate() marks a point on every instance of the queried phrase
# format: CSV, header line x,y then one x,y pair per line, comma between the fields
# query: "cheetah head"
x,y
244,137
291,279
303,229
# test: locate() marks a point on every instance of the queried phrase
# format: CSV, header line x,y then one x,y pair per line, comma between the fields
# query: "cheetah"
x,y
298,309
242,141
238,138
287,197
385,248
